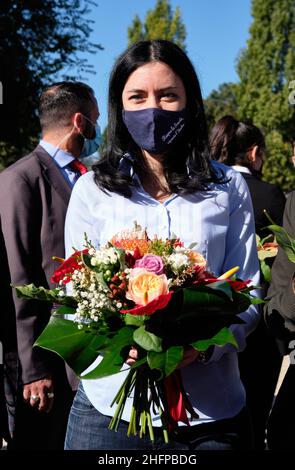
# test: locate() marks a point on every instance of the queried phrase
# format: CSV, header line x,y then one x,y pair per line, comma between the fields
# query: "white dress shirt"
x,y
221,222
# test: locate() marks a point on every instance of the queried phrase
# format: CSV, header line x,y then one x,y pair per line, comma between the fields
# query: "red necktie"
x,y
78,166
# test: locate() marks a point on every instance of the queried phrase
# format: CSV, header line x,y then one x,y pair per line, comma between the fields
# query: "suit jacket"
x,y
280,310
34,197
265,196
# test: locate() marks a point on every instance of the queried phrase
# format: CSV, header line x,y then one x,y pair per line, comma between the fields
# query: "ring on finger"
x,y
34,397
50,395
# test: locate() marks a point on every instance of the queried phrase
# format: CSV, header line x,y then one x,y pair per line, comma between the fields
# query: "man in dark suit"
x,y
34,195
280,318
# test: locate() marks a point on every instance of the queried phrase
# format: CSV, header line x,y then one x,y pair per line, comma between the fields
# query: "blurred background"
x,y
243,51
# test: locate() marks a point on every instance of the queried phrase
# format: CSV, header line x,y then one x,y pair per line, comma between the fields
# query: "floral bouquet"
x,y
155,295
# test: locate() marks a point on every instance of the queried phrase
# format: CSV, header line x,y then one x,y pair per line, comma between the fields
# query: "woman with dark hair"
x,y
157,171
242,146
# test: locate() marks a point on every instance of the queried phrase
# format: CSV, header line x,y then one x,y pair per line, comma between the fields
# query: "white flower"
x,y
178,260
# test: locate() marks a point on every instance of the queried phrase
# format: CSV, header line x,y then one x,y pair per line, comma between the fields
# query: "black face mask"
x,y
154,129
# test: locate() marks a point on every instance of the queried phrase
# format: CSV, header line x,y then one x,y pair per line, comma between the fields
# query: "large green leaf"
x,y
79,348
65,310
114,354
135,320
286,242
30,291
166,361
222,338
148,341
196,314
222,286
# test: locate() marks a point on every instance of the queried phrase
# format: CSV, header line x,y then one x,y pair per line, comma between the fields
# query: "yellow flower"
x,y
145,286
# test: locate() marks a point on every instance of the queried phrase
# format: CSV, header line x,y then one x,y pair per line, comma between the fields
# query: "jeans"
x,y
88,430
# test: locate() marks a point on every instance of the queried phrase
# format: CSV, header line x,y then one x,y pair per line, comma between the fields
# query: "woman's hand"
x,y
189,355
132,357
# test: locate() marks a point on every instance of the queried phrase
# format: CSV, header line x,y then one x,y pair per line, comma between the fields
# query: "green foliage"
x,y
148,341
266,68
223,337
286,242
165,361
278,166
38,39
77,347
159,23
30,291
222,102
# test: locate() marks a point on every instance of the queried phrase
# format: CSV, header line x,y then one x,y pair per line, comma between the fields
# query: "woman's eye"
x,y
136,97
169,95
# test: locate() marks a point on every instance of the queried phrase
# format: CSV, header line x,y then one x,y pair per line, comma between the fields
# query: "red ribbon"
x,y
175,397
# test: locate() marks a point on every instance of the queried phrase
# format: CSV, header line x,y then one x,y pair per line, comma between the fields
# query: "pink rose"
x,y
151,263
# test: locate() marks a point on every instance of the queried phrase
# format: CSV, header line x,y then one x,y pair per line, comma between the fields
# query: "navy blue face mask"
x,y
154,129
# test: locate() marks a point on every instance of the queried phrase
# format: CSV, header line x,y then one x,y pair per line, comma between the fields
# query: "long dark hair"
x,y
230,140
187,166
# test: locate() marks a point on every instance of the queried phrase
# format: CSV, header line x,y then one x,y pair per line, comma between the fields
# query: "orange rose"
x,y
196,258
145,286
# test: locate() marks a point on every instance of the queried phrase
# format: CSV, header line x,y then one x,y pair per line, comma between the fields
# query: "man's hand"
x,y
40,394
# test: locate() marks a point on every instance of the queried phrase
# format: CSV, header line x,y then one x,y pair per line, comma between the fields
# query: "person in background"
x,y
34,195
157,171
279,313
241,145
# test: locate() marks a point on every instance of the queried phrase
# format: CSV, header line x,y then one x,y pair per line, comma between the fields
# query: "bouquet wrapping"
x,y
152,294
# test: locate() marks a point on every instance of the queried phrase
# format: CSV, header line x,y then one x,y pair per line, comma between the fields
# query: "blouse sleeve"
x,y
241,251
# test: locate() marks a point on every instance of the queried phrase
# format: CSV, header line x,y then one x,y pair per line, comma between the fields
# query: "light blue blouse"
x,y
221,222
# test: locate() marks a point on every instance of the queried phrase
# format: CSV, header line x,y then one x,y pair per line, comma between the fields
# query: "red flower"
x,y
132,258
239,285
235,285
177,243
66,269
157,304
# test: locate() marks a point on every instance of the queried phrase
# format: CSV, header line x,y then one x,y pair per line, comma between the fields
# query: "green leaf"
x,y
121,256
148,341
166,361
65,310
286,242
100,279
135,320
257,301
222,286
79,348
30,291
113,354
222,338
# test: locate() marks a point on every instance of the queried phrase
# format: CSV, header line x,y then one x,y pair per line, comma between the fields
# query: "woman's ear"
x,y
255,158
253,154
